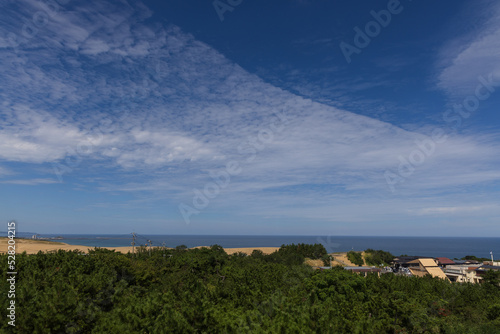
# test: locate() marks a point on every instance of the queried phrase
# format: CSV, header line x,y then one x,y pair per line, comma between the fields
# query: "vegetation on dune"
x,y
316,251
378,257
355,257
208,291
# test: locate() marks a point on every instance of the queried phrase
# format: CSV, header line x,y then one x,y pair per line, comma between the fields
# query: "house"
x,y
404,261
471,274
480,271
364,270
422,267
463,273
444,261
401,264
468,273
361,270
492,263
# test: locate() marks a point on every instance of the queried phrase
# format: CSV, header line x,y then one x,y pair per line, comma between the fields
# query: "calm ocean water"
x,y
451,247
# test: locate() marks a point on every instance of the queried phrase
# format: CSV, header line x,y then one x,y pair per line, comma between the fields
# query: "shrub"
x,y
355,257
377,257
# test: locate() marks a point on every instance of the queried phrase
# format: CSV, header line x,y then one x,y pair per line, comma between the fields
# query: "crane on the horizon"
x,y
133,243
150,244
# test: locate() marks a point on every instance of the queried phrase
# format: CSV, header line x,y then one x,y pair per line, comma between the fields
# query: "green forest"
x,y
208,291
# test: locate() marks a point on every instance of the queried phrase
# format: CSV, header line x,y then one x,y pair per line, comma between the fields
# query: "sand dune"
x,y
249,250
34,246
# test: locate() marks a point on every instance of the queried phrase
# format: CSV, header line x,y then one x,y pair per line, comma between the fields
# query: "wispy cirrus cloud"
x,y
452,210
466,57
31,182
201,108
5,171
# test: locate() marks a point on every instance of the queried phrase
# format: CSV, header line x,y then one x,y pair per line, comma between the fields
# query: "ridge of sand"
x,y
34,246
341,258
31,246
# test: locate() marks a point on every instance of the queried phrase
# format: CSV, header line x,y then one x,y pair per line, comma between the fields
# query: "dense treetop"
x,y
207,291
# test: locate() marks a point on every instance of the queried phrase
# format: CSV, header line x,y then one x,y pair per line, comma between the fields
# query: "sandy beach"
x,y
34,246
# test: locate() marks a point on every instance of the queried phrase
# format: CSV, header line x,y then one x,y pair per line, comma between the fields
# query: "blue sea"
x,y
451,247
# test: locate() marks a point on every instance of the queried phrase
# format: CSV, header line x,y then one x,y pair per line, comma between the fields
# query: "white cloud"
x,y
5,171
465,59
199,109
35,136
451,210
31,182
94,47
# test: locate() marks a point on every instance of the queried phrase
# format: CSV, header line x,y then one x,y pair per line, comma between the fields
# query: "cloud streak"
x,y
467,58
30,182
455,210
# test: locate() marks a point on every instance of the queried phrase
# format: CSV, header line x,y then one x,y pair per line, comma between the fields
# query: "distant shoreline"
x,y
450,247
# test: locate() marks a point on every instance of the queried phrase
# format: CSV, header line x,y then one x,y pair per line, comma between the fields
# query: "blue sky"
x,y
248,117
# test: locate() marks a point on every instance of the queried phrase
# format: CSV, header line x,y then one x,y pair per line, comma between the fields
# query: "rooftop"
x,y
444,260
487,267
370,269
